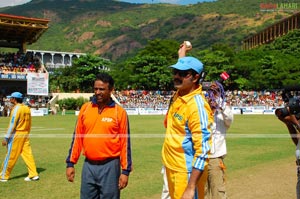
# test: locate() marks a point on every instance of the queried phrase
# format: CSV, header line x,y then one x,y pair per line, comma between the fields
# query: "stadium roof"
x,y
18,31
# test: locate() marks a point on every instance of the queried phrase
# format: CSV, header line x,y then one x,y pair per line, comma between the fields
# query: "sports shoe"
x,y
35,178
3,180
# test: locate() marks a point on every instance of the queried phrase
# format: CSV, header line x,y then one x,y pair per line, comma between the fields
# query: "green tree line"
x,y
271,66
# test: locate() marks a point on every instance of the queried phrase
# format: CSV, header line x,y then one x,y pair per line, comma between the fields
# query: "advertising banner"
x,y
13,76
37,84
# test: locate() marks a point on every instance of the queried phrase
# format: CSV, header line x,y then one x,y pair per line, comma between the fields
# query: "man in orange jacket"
x,y
102,134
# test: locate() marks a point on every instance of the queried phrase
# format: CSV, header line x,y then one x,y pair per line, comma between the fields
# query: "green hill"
x,y
116,30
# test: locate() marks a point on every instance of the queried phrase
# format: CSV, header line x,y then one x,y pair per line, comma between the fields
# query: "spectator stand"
x,y
16,33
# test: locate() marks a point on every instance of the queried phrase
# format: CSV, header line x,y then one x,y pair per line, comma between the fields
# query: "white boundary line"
x,y
143,136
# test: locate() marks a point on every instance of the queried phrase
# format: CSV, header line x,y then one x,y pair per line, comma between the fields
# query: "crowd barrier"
x,y
39,112
253,110
235,110
145,111
161,111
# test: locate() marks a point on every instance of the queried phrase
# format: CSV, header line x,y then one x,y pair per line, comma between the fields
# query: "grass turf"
x,y
252,140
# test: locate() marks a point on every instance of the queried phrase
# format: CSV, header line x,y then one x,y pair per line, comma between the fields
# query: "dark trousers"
x,y
100,180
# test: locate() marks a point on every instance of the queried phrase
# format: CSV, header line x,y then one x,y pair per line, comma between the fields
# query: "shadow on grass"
x,y
39,170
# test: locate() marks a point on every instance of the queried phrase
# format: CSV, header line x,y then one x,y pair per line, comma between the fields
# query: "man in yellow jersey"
x,y
188,133
17,140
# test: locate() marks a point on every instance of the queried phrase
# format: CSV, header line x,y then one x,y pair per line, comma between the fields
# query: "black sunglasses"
x,y
181,73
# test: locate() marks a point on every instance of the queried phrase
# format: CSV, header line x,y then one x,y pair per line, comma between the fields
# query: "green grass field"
x,y
252,140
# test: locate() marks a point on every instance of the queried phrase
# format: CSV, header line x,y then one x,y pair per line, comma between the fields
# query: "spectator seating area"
x,y
160,99
144,99
157,100
20,63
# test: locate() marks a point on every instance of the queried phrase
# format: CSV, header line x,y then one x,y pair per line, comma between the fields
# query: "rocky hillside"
x,y
116,30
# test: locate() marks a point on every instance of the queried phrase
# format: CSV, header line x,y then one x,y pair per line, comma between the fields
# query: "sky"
x,y
4,3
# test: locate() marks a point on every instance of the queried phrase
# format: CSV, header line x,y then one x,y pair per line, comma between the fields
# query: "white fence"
x,y
145,111
253,110
151,111
235,110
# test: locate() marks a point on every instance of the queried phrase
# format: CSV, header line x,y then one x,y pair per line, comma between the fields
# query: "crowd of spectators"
x,y
161,99
20,63
16,63
269,99
144,99
158,100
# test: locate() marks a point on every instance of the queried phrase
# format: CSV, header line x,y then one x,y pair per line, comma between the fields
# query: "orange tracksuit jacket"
x,y
102,135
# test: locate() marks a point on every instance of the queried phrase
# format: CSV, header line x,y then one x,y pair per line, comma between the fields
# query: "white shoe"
x,y
3,180
35,178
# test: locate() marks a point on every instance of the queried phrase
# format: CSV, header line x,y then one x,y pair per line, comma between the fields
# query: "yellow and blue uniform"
x,y
188,139
17,138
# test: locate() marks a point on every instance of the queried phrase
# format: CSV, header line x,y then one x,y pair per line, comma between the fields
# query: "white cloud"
x,y
4,3
170,1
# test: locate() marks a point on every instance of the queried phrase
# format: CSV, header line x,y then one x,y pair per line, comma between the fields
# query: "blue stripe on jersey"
x,y
129,161
200,161
69,164
10,138
10,130
187,143
188,146
5,163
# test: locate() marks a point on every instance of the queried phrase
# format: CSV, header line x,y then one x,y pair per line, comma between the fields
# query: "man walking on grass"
x,y
17,140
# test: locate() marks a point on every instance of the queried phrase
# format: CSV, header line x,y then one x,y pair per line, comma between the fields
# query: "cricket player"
x,y
17,140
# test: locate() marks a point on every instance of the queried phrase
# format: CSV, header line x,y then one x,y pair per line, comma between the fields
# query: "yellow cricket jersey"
x,y
20,120
17,137
188,135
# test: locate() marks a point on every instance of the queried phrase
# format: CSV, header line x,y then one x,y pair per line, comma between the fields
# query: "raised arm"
x,y
184,48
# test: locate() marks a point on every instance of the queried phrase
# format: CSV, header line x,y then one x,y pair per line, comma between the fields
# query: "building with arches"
x,y
55,59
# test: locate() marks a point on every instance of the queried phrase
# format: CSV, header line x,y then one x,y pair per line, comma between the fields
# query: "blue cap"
x,y
15,95
186,63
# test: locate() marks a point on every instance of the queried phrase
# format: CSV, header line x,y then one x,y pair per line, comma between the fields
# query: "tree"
x,y
149,68
159,47
245,64
150,73
87,67
80,75
63,80
217,60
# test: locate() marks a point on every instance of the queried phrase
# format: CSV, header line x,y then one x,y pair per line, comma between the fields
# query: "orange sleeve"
x,y
76,144
125,155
